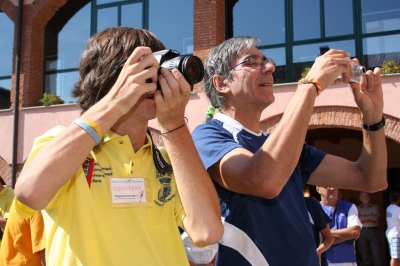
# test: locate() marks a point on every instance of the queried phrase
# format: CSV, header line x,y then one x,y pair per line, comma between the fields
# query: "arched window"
x,y
66,35
70,28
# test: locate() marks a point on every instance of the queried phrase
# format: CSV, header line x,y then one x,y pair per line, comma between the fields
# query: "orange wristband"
x,y
95,126
312,81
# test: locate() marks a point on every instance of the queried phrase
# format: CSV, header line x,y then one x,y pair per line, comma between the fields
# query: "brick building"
x,y
293,32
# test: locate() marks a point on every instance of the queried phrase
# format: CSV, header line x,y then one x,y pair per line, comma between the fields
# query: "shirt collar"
x,y
111,135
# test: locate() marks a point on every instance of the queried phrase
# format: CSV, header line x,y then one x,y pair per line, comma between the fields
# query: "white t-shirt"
x,y
393,221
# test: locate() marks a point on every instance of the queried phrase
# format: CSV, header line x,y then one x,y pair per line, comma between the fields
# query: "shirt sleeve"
x,y
23,210
38,237
39,143
309,161
213,143
352,217
9,202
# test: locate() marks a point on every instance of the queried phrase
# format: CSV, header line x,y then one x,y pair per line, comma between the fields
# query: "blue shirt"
x,y
319,222
342,252
260,231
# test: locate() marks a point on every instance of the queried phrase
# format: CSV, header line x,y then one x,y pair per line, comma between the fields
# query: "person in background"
x,y
24,240
393,228
108,195
259,176
6,199
209,114
340,193
345,227
368,244
320,227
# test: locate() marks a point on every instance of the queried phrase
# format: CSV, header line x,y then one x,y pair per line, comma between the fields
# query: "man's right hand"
x,y
327,68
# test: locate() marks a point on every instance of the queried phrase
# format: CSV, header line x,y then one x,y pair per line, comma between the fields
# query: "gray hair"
x,y
217,63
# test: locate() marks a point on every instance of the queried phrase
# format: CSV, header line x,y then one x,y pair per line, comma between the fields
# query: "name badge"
x,y
128,191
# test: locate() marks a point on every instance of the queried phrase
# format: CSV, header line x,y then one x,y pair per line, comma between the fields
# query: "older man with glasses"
x,y
259,176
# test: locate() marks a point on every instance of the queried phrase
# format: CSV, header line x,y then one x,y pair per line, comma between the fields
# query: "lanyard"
x,y
161,165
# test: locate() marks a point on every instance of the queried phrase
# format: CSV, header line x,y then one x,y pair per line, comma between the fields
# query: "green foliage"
x,y
51,99
390,67
305,72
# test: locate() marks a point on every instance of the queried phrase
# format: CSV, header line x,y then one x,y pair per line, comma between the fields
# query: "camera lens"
x,y
191,67
359,71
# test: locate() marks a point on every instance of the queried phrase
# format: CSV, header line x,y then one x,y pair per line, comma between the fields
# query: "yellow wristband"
x,y
312,81
95,126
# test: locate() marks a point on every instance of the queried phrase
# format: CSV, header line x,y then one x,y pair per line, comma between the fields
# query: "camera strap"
x,y
161,165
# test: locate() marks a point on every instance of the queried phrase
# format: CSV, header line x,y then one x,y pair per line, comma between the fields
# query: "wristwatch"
x,y
374,127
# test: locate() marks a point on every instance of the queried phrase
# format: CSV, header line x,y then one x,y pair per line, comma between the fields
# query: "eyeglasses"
x,y
256,62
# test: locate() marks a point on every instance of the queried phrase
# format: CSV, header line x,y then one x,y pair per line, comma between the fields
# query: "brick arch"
x,y
338,117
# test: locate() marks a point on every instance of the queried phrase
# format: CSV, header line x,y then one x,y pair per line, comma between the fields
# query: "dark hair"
x,y
217,63
103,52
2,181
394,196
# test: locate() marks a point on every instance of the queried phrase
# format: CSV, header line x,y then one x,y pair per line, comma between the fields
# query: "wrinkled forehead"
x,y
245,51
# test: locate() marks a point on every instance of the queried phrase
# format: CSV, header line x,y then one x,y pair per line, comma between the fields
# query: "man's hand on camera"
x,y
171,101
329,66
368,96
131,83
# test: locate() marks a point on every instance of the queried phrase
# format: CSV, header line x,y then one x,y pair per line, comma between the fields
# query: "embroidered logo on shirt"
x,y
164,193
94,172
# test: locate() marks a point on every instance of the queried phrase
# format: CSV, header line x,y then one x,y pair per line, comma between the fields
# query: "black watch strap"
x,y
374,127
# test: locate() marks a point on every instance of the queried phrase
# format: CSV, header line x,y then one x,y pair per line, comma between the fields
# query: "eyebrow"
x,y
254,55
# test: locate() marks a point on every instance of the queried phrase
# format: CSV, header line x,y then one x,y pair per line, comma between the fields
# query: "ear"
x,y
221,84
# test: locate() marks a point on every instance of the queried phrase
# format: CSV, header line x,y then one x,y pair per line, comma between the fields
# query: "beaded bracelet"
x,y
93,133
163,133
312,81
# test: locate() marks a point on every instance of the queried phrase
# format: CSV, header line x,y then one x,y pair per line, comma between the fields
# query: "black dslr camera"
x,y
190,66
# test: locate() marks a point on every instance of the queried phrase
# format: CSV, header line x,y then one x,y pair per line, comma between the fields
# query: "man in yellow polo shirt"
x,y
112,198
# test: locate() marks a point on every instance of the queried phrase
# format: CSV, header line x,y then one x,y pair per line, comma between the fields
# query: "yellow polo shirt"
x,y
6,199
116,210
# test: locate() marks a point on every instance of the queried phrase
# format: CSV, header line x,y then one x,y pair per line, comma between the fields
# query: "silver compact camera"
x,y
358,71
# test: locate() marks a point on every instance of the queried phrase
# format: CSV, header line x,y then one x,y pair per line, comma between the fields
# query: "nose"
x,y
268,67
